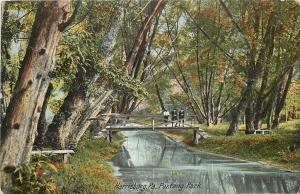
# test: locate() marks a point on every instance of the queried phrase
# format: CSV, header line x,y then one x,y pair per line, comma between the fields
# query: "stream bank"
x,y
280,149
87,171
153,163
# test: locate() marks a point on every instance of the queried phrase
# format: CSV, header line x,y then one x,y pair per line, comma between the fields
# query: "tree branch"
x,y
64,25
235,23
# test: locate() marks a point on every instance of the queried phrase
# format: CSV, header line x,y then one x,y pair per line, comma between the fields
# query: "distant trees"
x,y
231,59
263,48
195,60
259,48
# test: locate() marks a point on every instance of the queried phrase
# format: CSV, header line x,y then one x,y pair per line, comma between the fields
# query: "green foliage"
x,y
36,176
122,83
293,99
82,52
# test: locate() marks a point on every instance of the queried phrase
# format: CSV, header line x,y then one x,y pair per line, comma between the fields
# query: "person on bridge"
x,y
174,117
166,114
181,117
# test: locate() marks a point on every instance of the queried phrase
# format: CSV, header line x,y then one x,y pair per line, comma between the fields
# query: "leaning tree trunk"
x,y
19,126
83,122
99,125
140,41
71,121
71,108
161,102
260,99
137,53
281,99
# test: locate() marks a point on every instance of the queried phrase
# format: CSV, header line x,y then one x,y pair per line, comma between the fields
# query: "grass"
x,y
87,171
281,148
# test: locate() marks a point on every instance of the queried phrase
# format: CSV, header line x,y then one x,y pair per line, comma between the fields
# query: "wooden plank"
x,y
66,157
263,131
53,152
149,128
66,153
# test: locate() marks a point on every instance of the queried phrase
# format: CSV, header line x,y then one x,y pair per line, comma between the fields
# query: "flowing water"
x,y
153,163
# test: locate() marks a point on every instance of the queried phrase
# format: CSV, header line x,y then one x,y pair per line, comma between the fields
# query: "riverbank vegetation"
x,y
87,170
280,149
64,62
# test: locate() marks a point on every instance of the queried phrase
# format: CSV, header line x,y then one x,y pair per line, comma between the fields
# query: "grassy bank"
x,y
87,171
281,149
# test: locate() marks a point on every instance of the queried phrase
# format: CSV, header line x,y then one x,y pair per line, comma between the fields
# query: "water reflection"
x,y
152,163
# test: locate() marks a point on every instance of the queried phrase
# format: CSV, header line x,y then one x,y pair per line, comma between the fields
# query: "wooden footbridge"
x,y
141,122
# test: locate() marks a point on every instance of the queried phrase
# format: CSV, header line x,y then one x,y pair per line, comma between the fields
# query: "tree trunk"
x,y
19,126
237,111
140,41
71,108
101,124
42,124
219,99
269,108
209,98
138,51
269,120
281,99
294,111
259,115
260,98
256,60
249,114
83,122
234,124
286,112
161,102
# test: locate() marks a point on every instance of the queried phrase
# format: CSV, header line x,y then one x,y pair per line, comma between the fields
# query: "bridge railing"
x,y
144,119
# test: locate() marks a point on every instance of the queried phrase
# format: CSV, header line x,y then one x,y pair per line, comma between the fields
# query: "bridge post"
x,y
109,135
195,138
152,124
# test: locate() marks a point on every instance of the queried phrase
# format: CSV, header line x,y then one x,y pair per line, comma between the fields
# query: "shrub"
x,y
33,177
